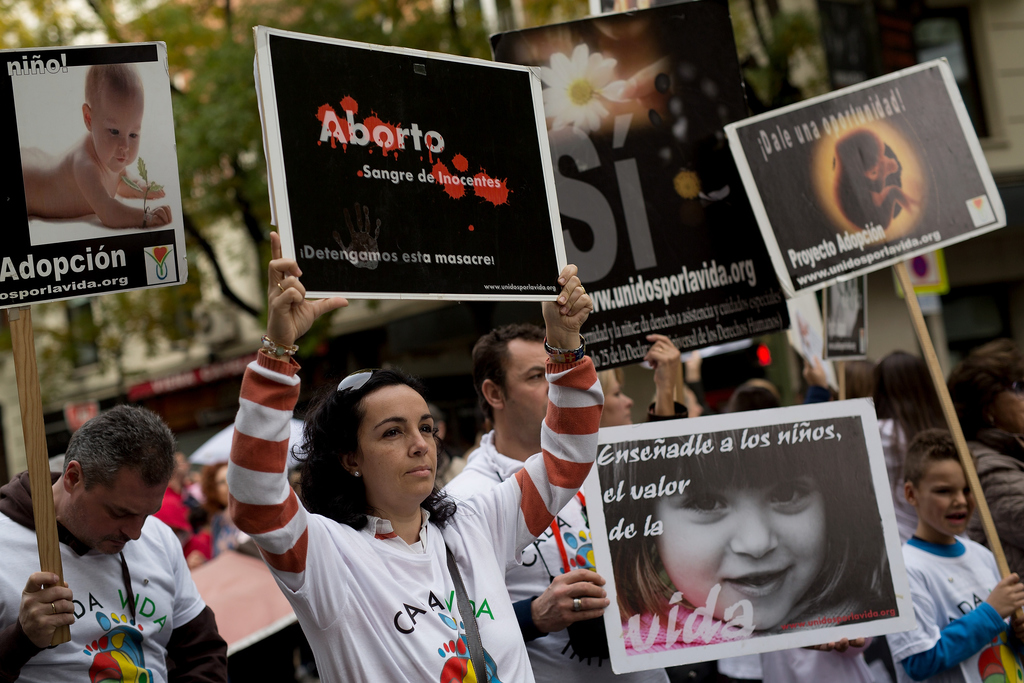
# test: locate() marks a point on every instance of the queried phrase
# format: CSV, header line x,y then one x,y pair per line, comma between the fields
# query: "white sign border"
x,y
764,223
178,227
274,151
860,408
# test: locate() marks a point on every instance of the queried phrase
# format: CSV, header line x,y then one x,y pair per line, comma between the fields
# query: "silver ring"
x,y
577,604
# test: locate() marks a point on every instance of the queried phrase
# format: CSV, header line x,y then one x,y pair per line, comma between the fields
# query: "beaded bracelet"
x,y
566,355
278,350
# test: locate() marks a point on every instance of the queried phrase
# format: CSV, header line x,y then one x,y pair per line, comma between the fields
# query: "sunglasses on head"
x,y
356,380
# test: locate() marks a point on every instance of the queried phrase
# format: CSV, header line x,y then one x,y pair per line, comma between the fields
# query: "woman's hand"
x,y
814,373
289,315
564,318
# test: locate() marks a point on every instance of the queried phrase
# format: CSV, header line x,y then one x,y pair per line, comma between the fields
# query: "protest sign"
x,y
807,333
393,175
846,319
744,533
93,202
652,207
861,178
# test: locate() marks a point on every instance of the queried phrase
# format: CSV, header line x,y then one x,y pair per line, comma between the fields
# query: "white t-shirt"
x,y
944,589
104,638
551,656
374,610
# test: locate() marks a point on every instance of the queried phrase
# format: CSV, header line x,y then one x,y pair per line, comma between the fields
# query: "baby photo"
x,y
97,151
744,534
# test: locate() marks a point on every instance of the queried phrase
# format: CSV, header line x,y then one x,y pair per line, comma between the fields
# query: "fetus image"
x,y
869,180
92,176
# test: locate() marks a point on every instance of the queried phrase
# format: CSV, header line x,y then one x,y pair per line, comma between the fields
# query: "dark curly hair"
x,y
332,423
975,383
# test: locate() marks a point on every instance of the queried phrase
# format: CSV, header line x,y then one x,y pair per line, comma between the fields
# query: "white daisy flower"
x,y
576,87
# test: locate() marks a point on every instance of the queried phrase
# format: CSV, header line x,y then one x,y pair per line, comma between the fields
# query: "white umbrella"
x,y
218,448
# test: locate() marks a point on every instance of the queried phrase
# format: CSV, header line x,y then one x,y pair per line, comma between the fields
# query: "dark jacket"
x,y
195,653
1002,479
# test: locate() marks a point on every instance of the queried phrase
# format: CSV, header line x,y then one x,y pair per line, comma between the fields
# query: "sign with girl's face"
x,y
745,533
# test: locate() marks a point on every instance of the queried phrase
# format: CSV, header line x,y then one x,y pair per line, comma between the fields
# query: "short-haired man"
x,y
548,592
134,612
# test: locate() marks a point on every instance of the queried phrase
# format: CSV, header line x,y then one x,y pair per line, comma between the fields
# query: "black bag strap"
x,y
476,647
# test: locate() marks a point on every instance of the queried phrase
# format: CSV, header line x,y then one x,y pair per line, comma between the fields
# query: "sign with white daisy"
x,y
653,210
392,174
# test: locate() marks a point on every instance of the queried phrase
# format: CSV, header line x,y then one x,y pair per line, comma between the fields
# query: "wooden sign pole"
x,y
841,372
950,414
31,401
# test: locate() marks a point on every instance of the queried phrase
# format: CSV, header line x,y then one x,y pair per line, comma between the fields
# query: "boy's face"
x,y
115,122
765,545
943,500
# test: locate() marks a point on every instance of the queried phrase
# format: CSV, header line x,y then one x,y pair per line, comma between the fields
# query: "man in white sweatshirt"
x,y
556,584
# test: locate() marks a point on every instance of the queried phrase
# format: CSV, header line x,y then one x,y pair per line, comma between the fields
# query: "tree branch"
x,y
207,248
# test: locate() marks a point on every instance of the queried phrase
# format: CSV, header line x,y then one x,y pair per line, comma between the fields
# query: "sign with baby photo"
x,y
398,173
653,210
90,176
863,177
745,533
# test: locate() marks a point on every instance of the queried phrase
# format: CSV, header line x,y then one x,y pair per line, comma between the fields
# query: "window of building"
x,y
946,33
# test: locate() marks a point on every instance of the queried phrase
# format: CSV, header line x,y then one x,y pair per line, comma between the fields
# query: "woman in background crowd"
x,y
224,535
663,357
988,392
906,403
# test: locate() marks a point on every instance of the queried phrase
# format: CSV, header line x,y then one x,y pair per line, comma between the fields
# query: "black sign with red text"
x,y
399,173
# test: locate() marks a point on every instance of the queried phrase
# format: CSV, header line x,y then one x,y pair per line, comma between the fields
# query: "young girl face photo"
x,y
764,544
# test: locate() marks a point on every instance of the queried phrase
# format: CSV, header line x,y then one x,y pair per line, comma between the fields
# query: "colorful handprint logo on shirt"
x,y
580,551
117,655
999,663
459,667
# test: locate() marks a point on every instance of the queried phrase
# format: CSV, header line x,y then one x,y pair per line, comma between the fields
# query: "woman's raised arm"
x,y
262,503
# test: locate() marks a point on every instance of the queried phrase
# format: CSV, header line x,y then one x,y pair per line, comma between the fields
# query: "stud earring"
x,y
357,474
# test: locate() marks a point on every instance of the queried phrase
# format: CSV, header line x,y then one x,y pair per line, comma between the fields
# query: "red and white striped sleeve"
x,y
261,502
568,446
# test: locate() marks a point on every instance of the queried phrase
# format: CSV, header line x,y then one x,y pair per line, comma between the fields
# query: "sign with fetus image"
x,y
856,180
653,210
745,533
89,163
393,176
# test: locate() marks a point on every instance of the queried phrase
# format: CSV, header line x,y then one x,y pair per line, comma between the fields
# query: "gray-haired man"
x,y
135,613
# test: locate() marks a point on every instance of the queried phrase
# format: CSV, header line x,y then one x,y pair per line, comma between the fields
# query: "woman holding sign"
x,y
988,391
388,578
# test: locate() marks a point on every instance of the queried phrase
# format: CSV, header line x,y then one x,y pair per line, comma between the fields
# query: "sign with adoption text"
x,y
398,173
653,210
88,162
863,177
745,533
